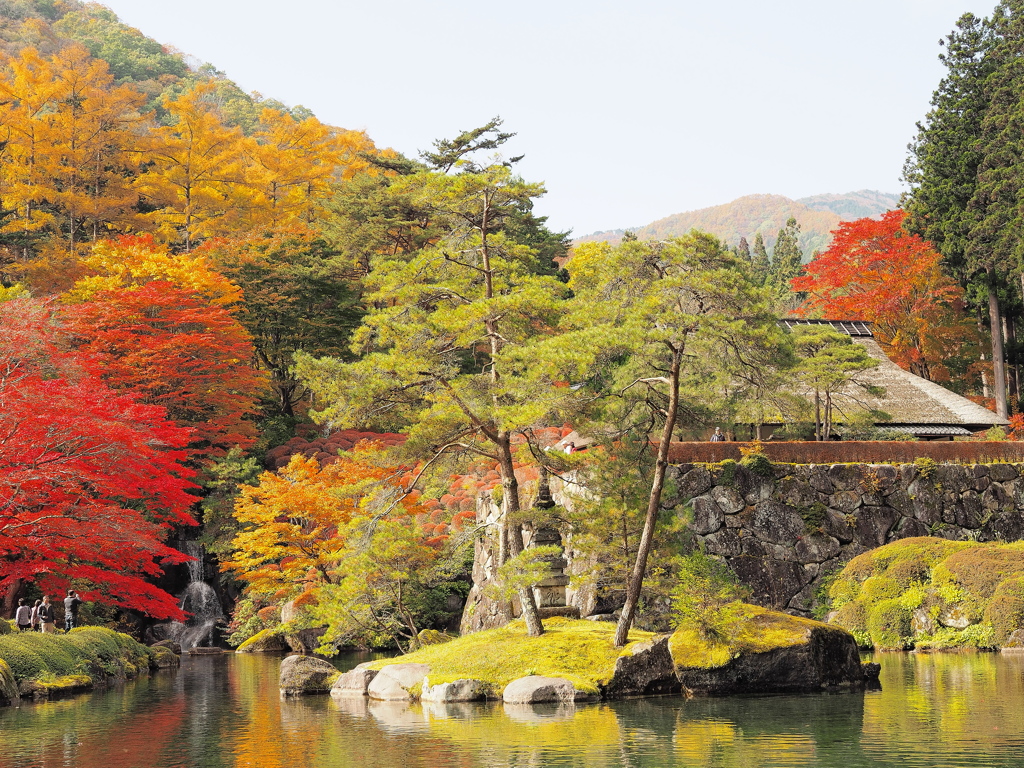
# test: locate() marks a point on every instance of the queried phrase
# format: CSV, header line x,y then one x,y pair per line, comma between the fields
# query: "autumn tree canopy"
x,y
876,271
91,478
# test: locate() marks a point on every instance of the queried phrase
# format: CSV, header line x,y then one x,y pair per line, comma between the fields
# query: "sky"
x,y
628,112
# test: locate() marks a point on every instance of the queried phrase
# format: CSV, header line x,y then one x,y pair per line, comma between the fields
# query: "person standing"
x,y
35,615
71,603
23,616
718,437
47,616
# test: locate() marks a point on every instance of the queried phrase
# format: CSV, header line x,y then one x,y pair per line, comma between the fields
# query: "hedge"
x,y
855,452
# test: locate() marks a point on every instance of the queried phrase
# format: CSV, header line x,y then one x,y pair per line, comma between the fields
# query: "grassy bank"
x,y
580,651
39,663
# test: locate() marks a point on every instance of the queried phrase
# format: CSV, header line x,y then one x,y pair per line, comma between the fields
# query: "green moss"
x,y
728,476
752,629
259,639
889,625
580,651
879,588
8,685
759,464
90,651
814,516
1005,612
852,617
925,466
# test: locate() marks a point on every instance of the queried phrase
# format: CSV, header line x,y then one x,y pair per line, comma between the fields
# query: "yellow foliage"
x,y
295,521
132,261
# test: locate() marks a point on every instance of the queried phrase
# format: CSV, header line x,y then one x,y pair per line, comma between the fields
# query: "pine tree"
x,y
760,264
786,256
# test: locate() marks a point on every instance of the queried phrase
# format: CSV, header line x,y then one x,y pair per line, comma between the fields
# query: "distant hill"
x,y
745,217
853,205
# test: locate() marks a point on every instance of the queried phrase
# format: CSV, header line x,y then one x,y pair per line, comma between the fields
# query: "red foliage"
x,y
173,349
875,271
90,478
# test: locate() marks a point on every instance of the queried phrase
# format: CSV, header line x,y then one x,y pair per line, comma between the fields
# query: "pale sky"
x,y
627,111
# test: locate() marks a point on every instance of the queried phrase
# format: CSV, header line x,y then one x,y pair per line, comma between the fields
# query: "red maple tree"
x,y
173,348
877,272
91,479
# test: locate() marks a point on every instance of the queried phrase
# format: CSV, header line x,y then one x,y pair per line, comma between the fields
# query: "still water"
x,y
933,711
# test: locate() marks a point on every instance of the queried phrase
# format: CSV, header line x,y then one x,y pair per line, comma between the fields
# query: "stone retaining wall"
x,y
782,532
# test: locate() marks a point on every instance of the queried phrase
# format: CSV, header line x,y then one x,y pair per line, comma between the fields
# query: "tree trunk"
x,y
1010,337
636,578
998,360
514,531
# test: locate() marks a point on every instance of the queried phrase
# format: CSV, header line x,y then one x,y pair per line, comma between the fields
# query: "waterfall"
x,y
199,602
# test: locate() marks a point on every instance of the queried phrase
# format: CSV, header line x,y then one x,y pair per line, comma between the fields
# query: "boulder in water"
x,y
164,658
395,681
457,690
170,645
763,651
265,641
535,689
353,683
306,674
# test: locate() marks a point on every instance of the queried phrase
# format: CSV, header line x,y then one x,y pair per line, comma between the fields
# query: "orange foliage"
x,y
874,271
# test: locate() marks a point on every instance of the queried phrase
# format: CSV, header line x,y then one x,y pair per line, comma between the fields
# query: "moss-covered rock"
x,y
302,675
165,658
265,641
758,650
927,592
8,685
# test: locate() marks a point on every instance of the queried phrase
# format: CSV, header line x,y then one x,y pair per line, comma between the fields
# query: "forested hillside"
x,y
751,215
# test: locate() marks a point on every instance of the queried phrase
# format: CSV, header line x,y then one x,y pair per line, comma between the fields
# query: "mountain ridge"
x,y
766,214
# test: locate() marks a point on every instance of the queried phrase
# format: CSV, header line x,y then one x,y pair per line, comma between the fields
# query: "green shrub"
x,y
814,516
24,662
6,627
728,476
1005,612
843,591
908,571
758,463
879,588
852,617
889,625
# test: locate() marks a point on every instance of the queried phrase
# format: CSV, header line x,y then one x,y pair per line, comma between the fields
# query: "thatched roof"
x,y
915,405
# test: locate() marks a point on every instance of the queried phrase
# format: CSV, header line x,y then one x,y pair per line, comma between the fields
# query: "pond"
x,y
934,711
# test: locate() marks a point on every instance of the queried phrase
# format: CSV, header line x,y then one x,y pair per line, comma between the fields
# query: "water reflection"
x,y
939,710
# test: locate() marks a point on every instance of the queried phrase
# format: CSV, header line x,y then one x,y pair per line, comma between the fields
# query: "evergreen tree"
x,y
968,184
743,250
760,264
786,256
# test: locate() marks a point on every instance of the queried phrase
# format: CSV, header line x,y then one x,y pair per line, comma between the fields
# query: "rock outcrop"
x,y
306,674
354,683
455,691
767,652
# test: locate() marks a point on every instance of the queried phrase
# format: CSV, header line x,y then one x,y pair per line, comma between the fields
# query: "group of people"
x,y
41,617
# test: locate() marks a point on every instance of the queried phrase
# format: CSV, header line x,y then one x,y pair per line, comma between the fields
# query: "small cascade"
x,y
200,602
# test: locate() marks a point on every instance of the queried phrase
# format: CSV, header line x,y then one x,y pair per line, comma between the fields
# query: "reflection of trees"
x,y
227,713
965,705
135,724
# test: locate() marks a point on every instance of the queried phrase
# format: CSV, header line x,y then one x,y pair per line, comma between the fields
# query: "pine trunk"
x,y
636,578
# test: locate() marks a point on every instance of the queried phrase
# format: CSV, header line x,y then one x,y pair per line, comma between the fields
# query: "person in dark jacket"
x,y
47,616
71,603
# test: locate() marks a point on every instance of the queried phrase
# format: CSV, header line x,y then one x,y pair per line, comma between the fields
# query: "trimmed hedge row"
x,y
93,651
855,452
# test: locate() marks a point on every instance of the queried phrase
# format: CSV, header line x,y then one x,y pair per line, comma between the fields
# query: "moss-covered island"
x,y
752,649
38,665
929,593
